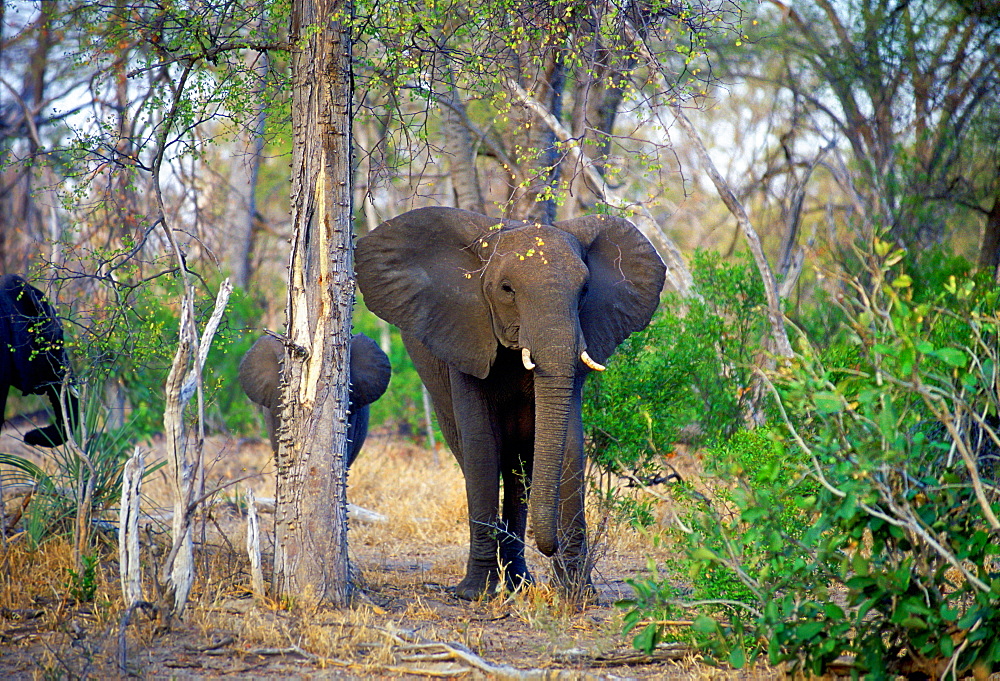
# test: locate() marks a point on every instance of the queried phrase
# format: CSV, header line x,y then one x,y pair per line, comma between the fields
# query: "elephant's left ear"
x,y
626,278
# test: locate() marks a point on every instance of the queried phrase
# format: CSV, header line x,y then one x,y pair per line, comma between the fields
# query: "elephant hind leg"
x,y
55,434
49,436
512,528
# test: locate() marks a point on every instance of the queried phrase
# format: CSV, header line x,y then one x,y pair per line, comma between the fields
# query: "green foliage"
x,y
690,369
761,501
227,407
131,340
866,525
60,486
82,585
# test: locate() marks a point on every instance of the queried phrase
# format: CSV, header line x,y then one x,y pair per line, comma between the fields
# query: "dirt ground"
x,y
405,624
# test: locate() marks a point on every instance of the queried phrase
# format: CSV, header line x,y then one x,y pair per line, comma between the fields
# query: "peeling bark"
x,y
311,560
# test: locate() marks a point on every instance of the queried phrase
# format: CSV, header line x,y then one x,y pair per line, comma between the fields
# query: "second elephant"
x,y
260,377
33,357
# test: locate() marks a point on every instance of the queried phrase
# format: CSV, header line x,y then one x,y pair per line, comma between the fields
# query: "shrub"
x,y
879,540
689,372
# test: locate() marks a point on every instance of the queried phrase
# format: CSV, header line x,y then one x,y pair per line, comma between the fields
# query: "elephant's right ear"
x,y
370,370
421,272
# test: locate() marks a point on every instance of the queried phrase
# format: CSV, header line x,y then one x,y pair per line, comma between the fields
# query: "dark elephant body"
x,y
503,321
260,377
32,355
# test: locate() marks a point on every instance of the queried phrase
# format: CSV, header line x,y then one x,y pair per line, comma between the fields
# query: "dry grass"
x,y
405,623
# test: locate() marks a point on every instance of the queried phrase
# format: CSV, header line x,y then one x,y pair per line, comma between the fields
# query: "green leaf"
x,y
737,658
702,553
951,357
808,630
647,639
833,611
947,646
948,614
703,624
827,402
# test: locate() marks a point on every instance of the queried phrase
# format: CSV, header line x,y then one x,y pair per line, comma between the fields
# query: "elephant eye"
x,y
506,287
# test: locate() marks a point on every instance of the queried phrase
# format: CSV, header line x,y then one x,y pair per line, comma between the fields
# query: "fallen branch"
x,y
436,652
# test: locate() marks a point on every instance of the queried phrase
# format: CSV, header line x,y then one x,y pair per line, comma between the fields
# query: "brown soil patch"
x,y
406,623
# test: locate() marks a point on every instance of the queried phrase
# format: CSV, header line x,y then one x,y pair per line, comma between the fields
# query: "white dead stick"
x,y
129,569
362,515
253,545
183,382
266,505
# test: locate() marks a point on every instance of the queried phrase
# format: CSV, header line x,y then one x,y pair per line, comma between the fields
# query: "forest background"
x,y
854,145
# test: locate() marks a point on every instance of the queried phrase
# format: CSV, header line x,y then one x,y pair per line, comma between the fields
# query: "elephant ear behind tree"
x,y
260,377
33,356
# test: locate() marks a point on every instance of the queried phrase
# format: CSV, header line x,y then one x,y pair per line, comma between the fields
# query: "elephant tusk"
x,y
590,362
526,359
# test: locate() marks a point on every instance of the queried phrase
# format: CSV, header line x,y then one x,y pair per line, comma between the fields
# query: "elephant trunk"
x,y
553,404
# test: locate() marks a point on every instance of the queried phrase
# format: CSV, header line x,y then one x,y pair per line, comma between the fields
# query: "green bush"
x,y
689,371
59,489
879,539
760,504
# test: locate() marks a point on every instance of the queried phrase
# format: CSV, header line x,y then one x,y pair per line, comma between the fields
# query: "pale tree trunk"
x,y
461,153
311,561
185,453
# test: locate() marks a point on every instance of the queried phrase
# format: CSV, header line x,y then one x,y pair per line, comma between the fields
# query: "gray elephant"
x,y
503,321
260,377
32,356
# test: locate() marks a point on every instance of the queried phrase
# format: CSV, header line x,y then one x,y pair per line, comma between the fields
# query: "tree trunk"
x,y
311,561
989,253
461,153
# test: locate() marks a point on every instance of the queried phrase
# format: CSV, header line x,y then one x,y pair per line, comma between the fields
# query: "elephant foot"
x,y
515,580
573,577
481,583
475,586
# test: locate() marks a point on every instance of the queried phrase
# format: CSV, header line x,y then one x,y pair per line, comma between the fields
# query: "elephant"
x,y
503,321
33,357
260,378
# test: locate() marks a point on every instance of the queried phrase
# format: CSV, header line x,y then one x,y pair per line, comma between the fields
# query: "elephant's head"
x,y
260,378
564,295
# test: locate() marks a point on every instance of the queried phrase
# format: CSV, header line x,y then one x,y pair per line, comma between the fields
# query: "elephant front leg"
x,y
55,434
482,489
480,449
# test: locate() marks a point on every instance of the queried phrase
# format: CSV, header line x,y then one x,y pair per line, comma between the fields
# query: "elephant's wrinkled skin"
x,y
260,377
503,320
32,356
